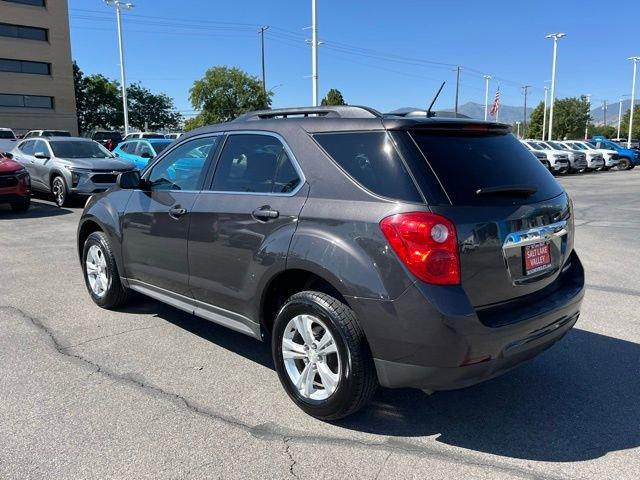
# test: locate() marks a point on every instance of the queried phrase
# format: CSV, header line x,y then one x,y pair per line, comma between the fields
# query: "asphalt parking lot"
x,y
151,392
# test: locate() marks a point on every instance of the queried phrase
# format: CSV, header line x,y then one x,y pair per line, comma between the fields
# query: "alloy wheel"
x,y
311,357
97,272
59,191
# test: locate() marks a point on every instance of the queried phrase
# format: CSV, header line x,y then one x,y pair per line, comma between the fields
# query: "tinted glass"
x,y
9,100
254,163
36,101
35,3
152,135
26,147
7,135
144,150
158,147
115,136
371,159
20,31
24,66
79,149
184,167
40,146
466,162
558,146
55,133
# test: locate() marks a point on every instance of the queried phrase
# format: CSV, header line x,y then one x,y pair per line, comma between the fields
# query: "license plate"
x,y
537,257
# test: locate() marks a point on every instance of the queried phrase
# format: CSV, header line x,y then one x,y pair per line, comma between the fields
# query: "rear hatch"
x,y
513,219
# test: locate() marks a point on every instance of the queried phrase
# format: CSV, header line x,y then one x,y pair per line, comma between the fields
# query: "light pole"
x,y
544,115
264,81
122,6
486,96
457,88
633,97
526,90
586,125
620,114
555,37
314,51
518,125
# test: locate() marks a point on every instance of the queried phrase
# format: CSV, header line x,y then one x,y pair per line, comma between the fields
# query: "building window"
x,y
35,3
24,66
27,101
21,31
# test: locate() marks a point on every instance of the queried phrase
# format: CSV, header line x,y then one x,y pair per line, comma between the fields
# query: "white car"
x,y
173,136
577,159
47,133
136,135
7,140
558,161
611,157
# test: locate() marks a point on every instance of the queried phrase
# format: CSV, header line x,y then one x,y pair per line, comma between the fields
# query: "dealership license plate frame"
x,y
537,262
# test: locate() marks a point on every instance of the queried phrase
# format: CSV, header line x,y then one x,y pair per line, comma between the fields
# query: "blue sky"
x,y
169,44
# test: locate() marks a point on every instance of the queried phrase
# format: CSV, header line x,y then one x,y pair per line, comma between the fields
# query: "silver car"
x,y
69,166
577,159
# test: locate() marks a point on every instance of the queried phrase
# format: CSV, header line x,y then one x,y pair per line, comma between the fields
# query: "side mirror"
x,y
146,155
130,180
9,155
41,156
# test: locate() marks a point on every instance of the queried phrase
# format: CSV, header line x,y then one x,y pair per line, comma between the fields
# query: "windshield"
x,y
586,146
558,146
536,146
576,146
544,146
158,147
79,149
7,135
55,133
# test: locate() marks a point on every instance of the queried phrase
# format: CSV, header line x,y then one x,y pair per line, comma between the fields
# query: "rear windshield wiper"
x,y
513,190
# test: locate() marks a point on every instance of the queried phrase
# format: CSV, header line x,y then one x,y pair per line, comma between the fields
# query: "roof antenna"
x,y
429,112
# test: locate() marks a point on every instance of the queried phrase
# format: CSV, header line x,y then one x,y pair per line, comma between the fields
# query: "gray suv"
x,y
69,166
369,249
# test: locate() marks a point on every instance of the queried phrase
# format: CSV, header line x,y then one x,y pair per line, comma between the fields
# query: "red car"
x,y
15,184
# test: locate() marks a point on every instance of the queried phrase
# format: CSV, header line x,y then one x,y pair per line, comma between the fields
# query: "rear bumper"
x,y
431,338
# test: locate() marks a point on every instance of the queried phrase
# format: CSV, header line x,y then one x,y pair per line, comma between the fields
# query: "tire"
x,y
22,205
351,363
113,293
60,191
624,164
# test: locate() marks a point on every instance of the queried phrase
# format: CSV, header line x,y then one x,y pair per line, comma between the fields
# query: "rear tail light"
x,y
427,245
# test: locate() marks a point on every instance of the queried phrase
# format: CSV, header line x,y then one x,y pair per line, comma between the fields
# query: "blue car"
x,y
629,158
140,151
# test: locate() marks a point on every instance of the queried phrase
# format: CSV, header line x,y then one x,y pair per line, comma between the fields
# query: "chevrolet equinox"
x,y
369,249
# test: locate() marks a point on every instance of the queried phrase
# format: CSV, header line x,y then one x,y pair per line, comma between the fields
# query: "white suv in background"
x,y
610,157
558,161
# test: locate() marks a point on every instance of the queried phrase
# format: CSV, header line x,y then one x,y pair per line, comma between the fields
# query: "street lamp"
x,y
620,114
555,37
119,6
314,51
486,96
633,97
544,115
518,125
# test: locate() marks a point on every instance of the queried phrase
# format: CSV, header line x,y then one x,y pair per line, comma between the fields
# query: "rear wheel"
x,y
322,357
22,205
624,164
101,272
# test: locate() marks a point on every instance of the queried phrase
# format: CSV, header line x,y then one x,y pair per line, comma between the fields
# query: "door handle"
x,y
177,212
265,213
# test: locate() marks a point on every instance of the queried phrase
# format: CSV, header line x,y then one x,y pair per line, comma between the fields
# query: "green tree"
x,y
334,97
149,110
624,127
605,130
570,116
223,94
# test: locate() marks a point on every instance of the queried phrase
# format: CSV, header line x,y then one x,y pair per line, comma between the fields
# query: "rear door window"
x,y
371,159
253,163
465,162
26,147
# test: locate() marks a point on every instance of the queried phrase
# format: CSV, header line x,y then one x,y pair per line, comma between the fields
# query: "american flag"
x,y
496,104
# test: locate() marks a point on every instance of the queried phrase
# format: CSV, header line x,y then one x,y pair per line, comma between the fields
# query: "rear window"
x,y
7,135
466,162
152,135
371,159
56,133
115,136
158,147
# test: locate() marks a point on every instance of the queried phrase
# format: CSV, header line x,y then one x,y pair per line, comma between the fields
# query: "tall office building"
x,y
36,72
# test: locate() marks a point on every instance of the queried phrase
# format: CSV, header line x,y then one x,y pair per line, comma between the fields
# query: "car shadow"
x,y
577,401
38,209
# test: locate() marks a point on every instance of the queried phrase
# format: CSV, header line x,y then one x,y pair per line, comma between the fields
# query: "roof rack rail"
x,y
333,111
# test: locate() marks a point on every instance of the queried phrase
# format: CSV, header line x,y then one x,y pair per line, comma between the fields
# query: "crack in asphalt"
x,y
90,340
287,450
270,431
382,467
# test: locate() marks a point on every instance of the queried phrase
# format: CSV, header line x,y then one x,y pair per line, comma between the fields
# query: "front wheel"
x,y
59,191
624,164
101,272
322,357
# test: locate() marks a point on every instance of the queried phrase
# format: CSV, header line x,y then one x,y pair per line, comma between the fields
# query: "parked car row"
x,y
577,156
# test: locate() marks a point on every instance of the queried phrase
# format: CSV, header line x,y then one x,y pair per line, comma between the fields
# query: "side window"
x,y
184,167
370,158
29,135
40,146
144,150
26,147
129,147
255,163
